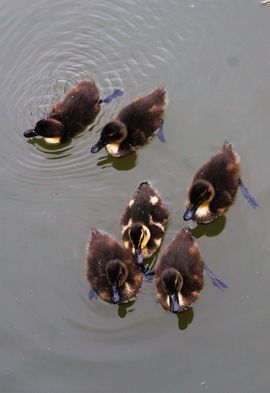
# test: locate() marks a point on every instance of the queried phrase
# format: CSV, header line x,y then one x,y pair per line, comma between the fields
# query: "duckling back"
x,y
214,186
100,251
145,207
183,255
78,107
142,116
223,172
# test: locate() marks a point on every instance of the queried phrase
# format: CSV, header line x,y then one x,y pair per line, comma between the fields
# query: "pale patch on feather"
x,y
128,288
125,227
158,224
126,244
203,211
154,200
52,141
113,148
157,242
131,203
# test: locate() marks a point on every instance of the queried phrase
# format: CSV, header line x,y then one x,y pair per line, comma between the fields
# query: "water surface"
x,y
214,58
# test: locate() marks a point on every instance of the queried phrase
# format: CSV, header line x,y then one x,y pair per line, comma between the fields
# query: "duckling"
x,y
72,113
134,124
111,270
214,187
144,222
179,275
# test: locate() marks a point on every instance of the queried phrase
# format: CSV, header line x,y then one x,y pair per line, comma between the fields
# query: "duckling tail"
x,y
247,195
215,280
116,93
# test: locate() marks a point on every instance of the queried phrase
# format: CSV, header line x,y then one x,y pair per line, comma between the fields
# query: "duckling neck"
x,y
54,140
113,148
203,210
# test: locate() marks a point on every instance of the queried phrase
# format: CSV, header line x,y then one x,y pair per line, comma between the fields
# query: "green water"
x,y
214,58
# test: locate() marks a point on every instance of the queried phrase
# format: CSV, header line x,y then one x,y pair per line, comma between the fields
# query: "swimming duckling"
x,y
134,124
72,113
111,270
214,187
179,275
143,222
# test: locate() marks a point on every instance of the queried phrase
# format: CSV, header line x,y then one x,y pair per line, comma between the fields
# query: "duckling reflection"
x,y
111,270
125,164
144,222
185,318
212,229
179,275
214,187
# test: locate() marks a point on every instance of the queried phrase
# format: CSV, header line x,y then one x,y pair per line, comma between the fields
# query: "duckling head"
x,y
139,235
200,194
172,282
116,274
114,132
51,130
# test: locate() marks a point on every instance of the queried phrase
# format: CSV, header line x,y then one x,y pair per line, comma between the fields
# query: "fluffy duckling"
x,y
143,222
111,270
214,187
134,124
179,275
72,113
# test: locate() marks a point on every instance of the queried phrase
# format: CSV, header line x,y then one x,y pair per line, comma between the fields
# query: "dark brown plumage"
x,y
134,124
179,275
214,186
144,222
72,113
111,269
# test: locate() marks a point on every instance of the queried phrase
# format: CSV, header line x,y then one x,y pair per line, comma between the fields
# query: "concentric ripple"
x,y
105,43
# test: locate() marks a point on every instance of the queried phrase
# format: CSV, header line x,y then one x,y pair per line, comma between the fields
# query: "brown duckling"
x,y
72,113
134,124
111,270
214,187
144,222
78,108
179,275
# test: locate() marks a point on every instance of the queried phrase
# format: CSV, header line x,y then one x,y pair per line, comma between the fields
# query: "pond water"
x,y
214,58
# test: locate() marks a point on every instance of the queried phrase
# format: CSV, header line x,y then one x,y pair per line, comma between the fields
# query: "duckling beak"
x,y
29,133
116,296
190,212
139,257
97,147
175,306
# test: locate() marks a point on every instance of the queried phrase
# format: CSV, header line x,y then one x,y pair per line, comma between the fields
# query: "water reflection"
x,y
120,164
209,230
185,318
55,151
125,308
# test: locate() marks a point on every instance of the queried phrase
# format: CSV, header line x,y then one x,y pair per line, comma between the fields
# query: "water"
x,y
214,58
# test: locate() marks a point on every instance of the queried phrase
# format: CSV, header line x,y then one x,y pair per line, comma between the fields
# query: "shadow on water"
x,y
55,151
209,230
124,308
185,318
120,164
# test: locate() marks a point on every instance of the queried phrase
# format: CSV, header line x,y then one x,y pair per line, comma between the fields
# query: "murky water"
x,y
214,57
